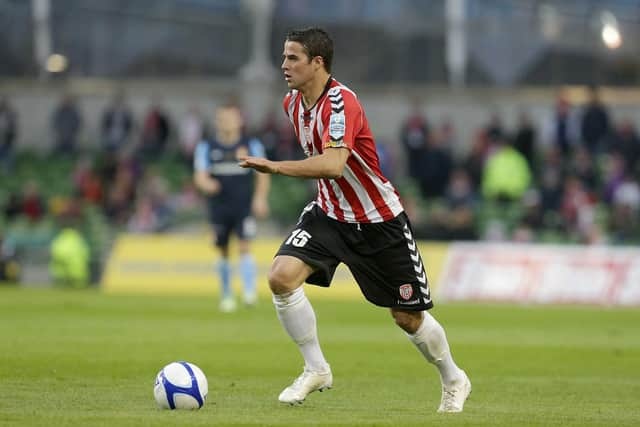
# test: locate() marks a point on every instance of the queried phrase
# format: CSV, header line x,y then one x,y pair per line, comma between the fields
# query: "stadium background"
x,y
450,63
470,69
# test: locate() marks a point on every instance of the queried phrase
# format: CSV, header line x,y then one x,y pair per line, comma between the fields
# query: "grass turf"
x,y
80,358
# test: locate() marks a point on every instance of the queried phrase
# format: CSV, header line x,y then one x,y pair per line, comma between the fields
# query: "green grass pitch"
x,y
81,358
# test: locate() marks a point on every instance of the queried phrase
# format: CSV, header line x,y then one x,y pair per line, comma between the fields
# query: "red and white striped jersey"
x,y
337,119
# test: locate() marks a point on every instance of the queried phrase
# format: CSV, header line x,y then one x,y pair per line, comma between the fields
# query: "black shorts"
x,y
225,222
383,257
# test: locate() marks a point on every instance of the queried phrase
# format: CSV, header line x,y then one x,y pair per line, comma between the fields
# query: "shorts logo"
x,y
406,292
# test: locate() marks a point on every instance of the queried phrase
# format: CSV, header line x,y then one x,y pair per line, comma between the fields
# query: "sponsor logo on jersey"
x,y
334,144
336,127
406,291
217,155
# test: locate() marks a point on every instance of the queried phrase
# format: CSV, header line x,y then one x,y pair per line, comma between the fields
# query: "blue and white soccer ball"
x,y
181,385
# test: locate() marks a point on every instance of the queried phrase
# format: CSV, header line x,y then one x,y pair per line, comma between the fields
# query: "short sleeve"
x,y
342,116
256,149
201,157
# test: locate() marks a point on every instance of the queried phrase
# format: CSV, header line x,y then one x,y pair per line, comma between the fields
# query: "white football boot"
x,y
453,398
250,299
307,382
228,305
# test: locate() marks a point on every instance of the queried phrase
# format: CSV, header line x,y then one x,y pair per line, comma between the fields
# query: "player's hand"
x,y
213,187
260,207
258,163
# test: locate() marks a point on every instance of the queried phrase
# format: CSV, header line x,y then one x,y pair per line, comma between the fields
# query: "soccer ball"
x,y
180,385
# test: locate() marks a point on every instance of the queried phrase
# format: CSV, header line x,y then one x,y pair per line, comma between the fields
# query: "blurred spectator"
x,y
625,142
153,212
8,133
551,178
156,188
577,208
595,123
269,134
9,266
117,207
33,204
187,199
551,182
475,160
192,130
614,176
117,124
456,219
13,206
66,122
506,175
524,140
87,184
436,162
561,130
121,190
144,218
155,133
108,165
279,138
69,258
494,129
385,157
414,135
523,234
582,166
532,219
624,219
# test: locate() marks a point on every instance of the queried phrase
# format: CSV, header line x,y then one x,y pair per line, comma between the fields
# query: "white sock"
x,y
299,320
431,340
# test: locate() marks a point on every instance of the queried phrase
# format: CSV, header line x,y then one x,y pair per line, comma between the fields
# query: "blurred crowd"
x,y
572,178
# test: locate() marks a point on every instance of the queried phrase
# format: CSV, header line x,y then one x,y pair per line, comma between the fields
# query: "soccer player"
x,y
233,197
357,218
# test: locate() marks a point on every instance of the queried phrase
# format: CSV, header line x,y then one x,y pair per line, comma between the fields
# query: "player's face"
x,y
298,69
228,119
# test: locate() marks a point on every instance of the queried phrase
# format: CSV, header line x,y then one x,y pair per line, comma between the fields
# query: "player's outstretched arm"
x,y
260,203
329,164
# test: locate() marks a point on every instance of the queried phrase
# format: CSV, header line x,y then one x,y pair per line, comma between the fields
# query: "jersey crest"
x,y
406,291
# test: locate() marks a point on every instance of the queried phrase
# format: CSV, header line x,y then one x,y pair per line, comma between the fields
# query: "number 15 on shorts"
x,y
298,238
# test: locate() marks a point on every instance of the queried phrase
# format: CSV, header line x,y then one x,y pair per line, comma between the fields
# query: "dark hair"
x,y
316,42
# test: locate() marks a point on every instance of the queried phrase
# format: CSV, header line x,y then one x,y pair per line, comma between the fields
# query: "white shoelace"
x,y
448,399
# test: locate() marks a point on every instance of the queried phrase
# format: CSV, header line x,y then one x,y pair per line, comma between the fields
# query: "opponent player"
x,y
357,218
232,197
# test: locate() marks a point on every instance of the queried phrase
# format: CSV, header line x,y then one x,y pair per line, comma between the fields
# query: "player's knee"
x,y
287,274
409,321
280,281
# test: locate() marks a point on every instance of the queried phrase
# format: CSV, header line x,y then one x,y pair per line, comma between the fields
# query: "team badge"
x,y
307,133
406,292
